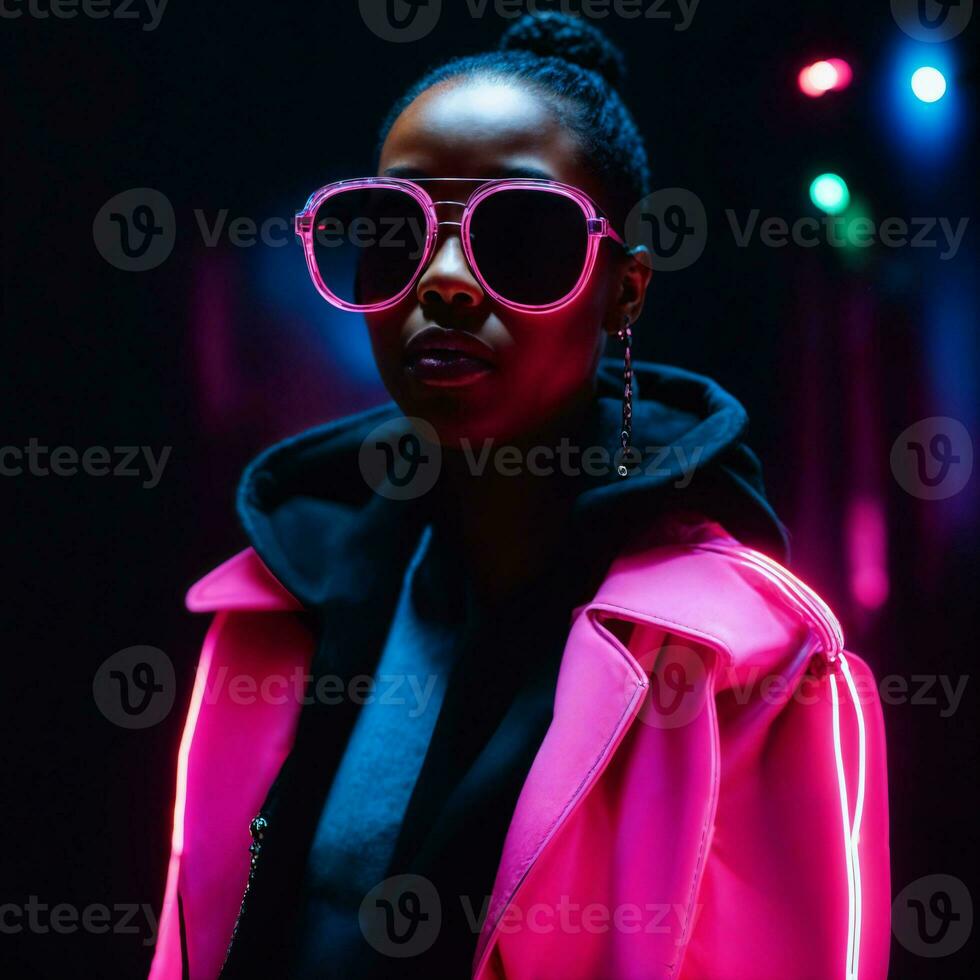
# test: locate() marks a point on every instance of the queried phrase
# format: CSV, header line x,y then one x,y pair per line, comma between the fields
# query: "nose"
x,y
447,278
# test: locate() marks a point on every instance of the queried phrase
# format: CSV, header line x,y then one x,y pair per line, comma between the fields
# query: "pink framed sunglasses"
x,y
531,244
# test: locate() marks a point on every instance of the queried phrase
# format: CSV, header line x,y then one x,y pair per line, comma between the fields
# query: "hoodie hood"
x,y
315,521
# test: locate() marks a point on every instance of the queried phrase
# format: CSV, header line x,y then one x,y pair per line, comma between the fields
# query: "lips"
x,y
448,358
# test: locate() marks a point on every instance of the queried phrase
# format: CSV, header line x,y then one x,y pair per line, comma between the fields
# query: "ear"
x,y
630,283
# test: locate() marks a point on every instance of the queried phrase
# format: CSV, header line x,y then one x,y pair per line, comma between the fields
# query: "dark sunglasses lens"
x,y
529,245
368,243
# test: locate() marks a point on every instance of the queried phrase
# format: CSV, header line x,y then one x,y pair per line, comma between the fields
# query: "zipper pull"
x,y
256,828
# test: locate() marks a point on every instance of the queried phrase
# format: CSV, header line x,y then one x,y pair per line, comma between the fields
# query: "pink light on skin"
x,y
867,552
828,75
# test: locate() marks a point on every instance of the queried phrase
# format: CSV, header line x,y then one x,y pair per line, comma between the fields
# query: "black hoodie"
x,y
342,549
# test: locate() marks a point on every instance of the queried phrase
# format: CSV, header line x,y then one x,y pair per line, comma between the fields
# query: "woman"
x,y
531,735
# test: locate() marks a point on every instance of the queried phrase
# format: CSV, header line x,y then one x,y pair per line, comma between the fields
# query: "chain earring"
x,y
625,334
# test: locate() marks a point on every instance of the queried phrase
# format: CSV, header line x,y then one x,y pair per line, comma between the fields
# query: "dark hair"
x,y
579,68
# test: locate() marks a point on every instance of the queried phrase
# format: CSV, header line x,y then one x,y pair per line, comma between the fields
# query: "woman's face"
x,y
540,365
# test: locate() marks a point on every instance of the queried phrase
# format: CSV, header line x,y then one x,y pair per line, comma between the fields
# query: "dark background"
x,y
221,350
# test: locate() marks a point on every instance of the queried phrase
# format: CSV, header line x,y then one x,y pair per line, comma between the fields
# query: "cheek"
x,y
560,348
385,333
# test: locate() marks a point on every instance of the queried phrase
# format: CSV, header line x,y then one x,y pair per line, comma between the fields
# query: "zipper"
x,y
257,829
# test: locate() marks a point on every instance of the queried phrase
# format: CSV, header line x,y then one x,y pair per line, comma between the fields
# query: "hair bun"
x,y
557,35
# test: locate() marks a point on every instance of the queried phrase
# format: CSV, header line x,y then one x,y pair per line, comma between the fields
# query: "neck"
x,y
508,522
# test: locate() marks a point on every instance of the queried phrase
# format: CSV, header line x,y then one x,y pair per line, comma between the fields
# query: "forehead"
x,y
482,128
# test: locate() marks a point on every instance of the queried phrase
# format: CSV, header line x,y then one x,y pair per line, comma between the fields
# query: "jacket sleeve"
x,y
796,877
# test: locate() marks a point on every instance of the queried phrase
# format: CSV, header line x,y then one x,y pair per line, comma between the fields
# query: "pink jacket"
x,y
709,801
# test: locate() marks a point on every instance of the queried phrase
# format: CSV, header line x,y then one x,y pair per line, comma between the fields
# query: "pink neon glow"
x,y
184,753
867,546
828,627
804,598
831,74
851,829
793,589
844,73
597,224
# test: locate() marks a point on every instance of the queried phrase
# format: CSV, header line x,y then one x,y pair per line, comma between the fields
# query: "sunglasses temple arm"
x,y
613,234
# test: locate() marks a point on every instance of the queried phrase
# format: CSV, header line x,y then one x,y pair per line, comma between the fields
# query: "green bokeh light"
x,y
829,193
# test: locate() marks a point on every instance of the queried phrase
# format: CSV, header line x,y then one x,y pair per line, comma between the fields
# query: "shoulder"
x,y
241,583
688,575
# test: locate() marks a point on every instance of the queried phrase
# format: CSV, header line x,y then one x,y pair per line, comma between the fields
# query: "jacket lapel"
x,y
674,587
599,693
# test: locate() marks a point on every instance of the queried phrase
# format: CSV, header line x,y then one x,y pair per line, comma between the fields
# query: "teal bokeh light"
x,y
829,193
